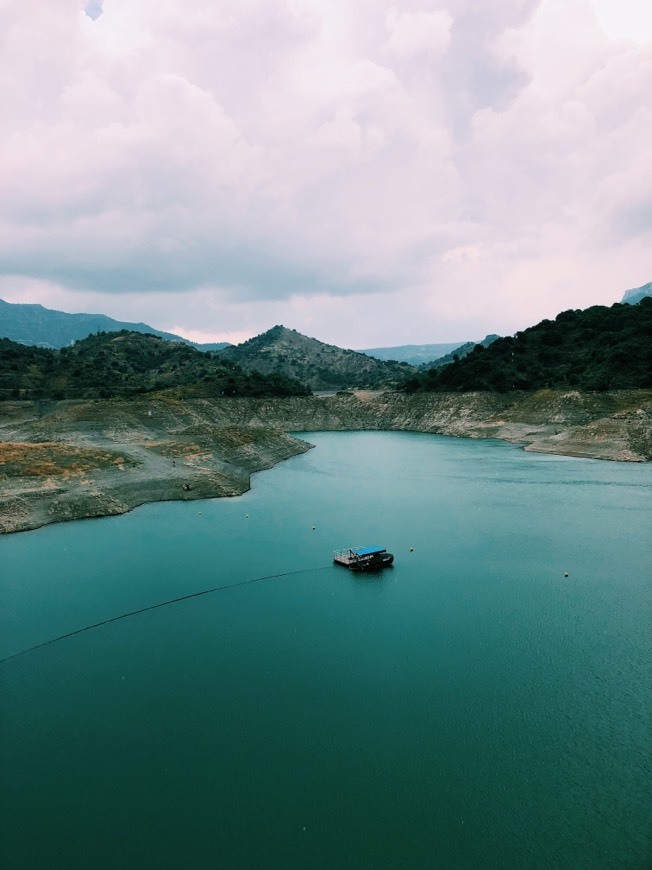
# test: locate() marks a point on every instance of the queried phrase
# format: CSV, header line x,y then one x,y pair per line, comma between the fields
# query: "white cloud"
x,y
413,33
627,19
315,156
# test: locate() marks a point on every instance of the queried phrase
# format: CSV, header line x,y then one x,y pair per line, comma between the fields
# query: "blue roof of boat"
x,y
367,551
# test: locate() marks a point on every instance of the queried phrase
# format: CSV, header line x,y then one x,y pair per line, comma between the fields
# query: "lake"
x,y
470,707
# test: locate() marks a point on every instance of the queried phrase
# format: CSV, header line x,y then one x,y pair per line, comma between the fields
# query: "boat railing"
x,y
346,553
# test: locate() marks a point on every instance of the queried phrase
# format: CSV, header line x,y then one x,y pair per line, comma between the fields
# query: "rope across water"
x,y
155,607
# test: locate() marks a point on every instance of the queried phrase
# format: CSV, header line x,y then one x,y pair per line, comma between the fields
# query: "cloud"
x,y
628,19
414,33
309,155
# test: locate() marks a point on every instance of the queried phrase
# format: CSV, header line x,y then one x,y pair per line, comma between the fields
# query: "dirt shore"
x,y
73,459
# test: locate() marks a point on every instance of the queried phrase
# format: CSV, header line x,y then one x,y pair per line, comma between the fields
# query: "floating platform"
x,y
363,558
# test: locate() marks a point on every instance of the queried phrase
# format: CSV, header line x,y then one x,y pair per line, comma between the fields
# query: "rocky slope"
x,y
320,366
68,460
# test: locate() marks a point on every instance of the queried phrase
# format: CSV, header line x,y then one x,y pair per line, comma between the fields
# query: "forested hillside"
x,y
127,364
600,348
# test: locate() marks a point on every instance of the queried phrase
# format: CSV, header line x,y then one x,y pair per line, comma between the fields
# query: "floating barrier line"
x,y
155,607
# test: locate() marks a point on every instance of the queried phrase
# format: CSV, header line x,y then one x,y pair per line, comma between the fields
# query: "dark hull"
x,y
372,564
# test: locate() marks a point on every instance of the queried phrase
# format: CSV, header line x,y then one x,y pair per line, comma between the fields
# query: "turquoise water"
x,y
470,707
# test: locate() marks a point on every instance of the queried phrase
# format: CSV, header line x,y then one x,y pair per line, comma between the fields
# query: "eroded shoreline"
x,y
75,459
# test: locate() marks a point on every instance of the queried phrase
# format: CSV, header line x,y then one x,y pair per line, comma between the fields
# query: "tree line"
x,y
595,349
124,364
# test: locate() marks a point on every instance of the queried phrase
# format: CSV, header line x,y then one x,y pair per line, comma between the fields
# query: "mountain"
x,y
633,296
414,354
600,348
320,366
459,352
128,364
45,327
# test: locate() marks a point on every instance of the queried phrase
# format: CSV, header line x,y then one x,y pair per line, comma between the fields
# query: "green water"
x,y
469,708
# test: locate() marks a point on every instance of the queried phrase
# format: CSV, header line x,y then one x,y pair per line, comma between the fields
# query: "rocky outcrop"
x,y
68,460
637,293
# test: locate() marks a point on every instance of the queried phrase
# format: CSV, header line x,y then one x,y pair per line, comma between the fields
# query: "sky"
x,y
368,172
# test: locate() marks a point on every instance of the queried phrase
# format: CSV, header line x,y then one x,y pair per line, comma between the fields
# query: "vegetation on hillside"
x,y
600,348
127,364
321,366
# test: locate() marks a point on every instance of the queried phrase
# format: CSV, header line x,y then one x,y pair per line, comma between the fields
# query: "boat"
x,y
363,558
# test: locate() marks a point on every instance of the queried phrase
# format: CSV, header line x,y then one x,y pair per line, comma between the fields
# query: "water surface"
x,y
470,707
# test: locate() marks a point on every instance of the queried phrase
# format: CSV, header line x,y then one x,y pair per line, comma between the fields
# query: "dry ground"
x,y
74,459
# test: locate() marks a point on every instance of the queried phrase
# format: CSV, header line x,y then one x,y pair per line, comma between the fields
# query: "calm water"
x,y
469,708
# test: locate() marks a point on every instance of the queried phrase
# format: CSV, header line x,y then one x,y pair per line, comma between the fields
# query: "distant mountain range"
x,y
599,348
44,327
321,366
414,354
36,325
459,352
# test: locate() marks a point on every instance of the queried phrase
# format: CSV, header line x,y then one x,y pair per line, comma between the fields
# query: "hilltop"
x,y
128,364
321,366
45,327
600,348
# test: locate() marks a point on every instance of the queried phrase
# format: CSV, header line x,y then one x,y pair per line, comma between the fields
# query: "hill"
x,y
45,327
321,366
128,364
638,293
600,348
414,354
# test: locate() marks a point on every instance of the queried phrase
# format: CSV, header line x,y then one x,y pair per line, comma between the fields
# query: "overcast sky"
x,y
368,172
